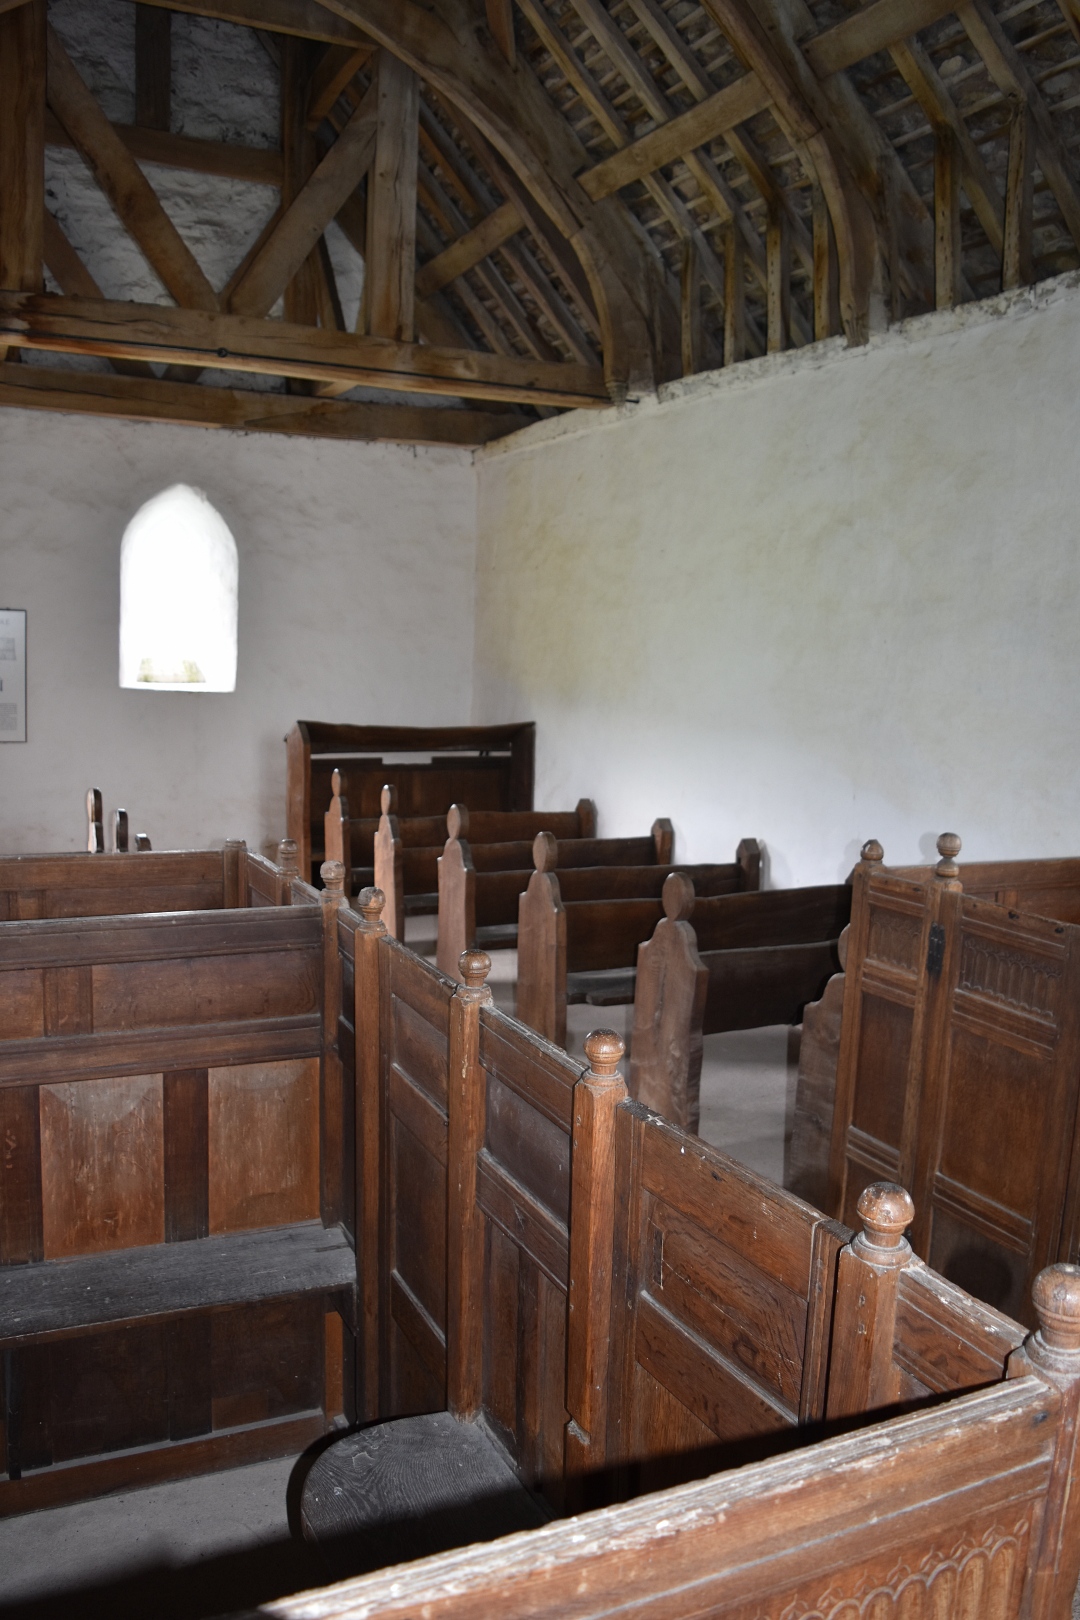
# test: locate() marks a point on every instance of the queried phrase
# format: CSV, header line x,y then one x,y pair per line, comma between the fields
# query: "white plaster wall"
x,y
816,599
356,604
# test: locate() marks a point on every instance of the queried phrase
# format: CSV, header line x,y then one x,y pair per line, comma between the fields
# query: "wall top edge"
x,y
1022,303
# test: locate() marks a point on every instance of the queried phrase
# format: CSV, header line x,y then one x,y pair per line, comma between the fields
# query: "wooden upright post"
x,y
826,271
597,1096
153,67
947,259
22,148
466,1103
1016,258
288,866
778,277
390,272
541,986
331,1111
370,932
734,296
457,894
862,1372
690,300
234,867
1054,1353
389,864
95,831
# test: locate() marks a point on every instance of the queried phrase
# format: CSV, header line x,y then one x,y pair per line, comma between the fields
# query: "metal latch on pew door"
x,y
935,953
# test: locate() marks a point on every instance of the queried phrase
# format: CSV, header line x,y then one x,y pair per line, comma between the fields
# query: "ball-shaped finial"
x,y
288,857
604,1050
333,876
370,903
337,782
948,847
474,967
886,1210
387,800
545,852
1056,1296
872,852
678,897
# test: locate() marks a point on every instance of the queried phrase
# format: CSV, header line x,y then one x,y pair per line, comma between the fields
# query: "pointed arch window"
x,y
178,594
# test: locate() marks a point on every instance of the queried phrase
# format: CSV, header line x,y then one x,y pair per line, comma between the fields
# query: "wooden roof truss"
x,y
557,202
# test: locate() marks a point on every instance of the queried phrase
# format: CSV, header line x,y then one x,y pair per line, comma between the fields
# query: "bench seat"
x,y
51,1299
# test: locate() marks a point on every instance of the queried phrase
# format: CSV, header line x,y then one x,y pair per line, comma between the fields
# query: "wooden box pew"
x,y
479,890
79,884
958,1069
407,851
534,1342
487,767
177,1275
740,961
574,950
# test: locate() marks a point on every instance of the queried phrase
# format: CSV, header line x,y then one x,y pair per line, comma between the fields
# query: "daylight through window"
x,y
178,577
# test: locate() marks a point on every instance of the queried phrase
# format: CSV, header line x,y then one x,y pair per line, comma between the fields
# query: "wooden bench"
x,y
486,767
574,950
957,1069
740,961
177,1274
480,886
905,1449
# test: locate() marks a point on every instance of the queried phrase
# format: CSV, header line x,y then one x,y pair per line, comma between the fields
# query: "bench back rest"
x,y
1049,888
958,1074
84,885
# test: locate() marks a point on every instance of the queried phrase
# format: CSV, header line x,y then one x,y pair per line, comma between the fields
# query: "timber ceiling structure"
x,y
556,203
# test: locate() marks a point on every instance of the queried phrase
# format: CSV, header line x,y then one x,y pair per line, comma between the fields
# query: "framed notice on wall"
x,y
12,675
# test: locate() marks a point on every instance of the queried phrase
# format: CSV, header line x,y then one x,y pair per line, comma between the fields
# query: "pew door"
x,y
721,1310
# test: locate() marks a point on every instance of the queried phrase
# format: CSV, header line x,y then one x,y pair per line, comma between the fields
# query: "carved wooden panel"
x,y
102,1165
263,1144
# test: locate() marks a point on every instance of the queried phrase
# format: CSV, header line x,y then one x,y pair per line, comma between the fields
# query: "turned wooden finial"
x,y
886,1211
604,1050
388,800
475,967
457,821
948,847
95,835
337,783
1056,1296
120,832
333,876
872,853
288,856
370,903
142,841
678,897
545,852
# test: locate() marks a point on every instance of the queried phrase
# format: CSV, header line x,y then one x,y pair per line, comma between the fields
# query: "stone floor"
x,y
221,1543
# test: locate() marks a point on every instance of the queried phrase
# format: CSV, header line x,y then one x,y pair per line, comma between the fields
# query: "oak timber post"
x,y
596,1100
862,1372
466,1108
370,932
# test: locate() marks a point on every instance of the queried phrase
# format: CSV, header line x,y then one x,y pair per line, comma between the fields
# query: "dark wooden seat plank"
x,y
54,1298
412,1487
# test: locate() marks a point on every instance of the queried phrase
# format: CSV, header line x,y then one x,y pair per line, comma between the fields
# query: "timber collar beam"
x,y
281,349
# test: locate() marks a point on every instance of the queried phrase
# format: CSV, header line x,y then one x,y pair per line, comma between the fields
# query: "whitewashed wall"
x,y
356,604
815,599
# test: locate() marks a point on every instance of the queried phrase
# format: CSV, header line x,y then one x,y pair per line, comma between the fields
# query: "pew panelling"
x,y
742,962
707,1308
81,885
172,1274
487,767
958,1071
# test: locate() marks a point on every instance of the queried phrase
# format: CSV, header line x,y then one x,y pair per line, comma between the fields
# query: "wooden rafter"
x,y
278,348
492,231
22,145
338,65
256,164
